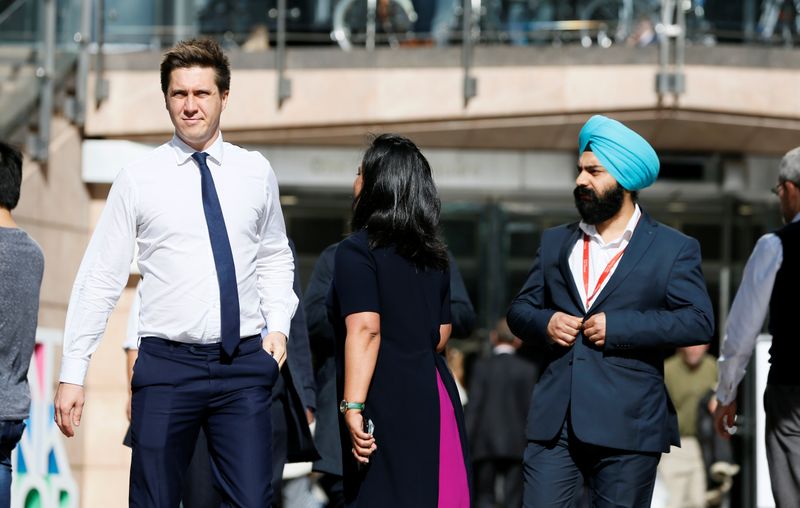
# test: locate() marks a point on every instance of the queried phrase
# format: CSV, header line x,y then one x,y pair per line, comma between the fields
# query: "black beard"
x,y
598,209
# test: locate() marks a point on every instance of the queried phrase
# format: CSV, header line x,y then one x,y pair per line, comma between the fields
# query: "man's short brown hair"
x,y
196,53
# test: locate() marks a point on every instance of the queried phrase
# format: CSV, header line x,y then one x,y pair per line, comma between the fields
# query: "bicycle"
x,y
774,11
366,22
620,16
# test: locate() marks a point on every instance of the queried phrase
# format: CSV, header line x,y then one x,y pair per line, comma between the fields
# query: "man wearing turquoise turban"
x,y
625,154
606,297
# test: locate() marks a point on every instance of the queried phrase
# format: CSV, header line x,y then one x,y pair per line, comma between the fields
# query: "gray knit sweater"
x,y
21,268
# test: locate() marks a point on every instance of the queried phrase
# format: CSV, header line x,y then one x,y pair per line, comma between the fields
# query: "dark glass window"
x,y
312,234
710,238
461,236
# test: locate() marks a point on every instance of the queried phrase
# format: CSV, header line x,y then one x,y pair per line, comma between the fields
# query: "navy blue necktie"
x,y
223,259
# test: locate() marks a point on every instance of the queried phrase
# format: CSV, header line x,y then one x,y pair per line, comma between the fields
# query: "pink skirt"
x,y
453,489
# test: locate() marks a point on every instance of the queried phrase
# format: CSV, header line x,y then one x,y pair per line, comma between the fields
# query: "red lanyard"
x,y
603,275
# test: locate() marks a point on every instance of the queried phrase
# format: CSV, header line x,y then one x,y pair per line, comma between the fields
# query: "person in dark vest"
x,y
770,285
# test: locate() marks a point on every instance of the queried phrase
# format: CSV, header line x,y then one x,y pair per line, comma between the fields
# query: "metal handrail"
x,y
284,85
45,72
672,39
470,85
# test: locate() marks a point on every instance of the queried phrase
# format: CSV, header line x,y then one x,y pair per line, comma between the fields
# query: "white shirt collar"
x,y
590,230
796,217
504,349
183,152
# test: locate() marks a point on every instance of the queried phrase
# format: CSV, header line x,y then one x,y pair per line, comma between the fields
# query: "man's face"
x,y
195,104
598,196
693,355
789,195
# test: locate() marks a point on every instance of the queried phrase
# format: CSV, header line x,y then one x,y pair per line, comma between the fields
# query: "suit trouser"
x,y
485,472
179,388
198,484
199,490
782,435
555,471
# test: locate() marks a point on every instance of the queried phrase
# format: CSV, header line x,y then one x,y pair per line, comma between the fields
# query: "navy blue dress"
x,y
403,399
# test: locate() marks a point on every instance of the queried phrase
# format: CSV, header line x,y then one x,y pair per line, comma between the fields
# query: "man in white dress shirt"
x,y
216,270
769,284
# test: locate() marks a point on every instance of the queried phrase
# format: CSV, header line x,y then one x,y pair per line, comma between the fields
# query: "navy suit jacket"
x,y
296,383
499,398
655,300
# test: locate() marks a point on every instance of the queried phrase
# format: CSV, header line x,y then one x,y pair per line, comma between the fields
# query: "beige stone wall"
x,y
54,210
330,97
725,108
59,212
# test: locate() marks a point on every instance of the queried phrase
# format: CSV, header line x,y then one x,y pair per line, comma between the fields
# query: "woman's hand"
x,y
363,443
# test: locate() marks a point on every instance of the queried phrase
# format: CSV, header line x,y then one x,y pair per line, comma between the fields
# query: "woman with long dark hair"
x,y
401,422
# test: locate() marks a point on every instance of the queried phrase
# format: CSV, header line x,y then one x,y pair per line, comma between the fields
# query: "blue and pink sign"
x,y
42,476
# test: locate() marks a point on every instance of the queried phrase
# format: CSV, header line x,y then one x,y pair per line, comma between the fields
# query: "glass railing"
x,y
21,22
38,48
252,24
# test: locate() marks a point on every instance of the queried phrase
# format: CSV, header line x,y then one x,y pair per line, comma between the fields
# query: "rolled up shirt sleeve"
x,y
747,314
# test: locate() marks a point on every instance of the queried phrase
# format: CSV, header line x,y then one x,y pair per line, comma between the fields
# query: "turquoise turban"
x,y
626,155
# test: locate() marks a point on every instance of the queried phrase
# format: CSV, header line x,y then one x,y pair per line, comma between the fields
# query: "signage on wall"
x,y
42,476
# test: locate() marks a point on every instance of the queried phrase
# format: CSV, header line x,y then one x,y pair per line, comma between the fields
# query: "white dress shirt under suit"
x,y
749,309
156,204
600,254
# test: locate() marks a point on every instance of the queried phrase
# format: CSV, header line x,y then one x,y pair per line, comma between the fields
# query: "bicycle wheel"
x,y
770,15
618,16
393,25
